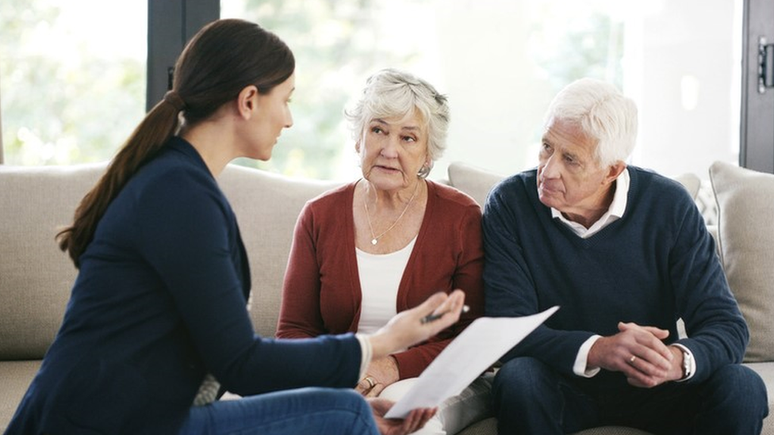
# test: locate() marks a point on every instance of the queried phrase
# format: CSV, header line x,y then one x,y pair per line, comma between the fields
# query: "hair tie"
x,y
173,98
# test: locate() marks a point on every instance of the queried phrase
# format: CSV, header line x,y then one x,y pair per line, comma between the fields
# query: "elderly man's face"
x,y
569,177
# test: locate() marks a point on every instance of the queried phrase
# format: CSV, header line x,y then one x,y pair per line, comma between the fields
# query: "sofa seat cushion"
x,y
15,377
746,238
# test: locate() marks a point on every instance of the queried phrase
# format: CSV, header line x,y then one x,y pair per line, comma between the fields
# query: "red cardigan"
x,y
322,295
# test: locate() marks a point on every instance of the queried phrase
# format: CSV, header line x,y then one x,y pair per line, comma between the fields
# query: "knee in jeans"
x,y
742,387
523,372
521,376
341,398
736,379
354,399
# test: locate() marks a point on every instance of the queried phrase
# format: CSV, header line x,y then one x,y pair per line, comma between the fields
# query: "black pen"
x,y
431,317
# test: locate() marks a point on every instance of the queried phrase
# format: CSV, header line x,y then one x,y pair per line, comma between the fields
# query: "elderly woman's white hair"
x,y
391,93
603,113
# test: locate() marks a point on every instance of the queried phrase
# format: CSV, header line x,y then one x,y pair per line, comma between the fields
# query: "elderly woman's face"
x,y
392,151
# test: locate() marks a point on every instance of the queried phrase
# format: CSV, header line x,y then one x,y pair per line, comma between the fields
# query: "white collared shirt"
x,y
613,213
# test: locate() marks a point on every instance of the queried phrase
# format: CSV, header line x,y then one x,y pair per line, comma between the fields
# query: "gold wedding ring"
x,y
631,360
371,382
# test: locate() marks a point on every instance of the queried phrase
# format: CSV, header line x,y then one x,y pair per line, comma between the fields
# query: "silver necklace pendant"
x,y
375,238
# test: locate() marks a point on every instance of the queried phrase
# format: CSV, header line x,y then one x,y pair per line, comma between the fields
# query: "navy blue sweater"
x,y
159,302
654,265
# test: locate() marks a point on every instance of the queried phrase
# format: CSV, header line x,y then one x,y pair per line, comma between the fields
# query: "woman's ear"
x,y
357,146
247,101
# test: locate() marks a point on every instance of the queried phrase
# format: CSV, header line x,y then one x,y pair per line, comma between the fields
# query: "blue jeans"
x,y
291,412
529,397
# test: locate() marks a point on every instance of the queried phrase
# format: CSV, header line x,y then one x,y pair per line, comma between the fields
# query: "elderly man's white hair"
x,y
603,113
391,93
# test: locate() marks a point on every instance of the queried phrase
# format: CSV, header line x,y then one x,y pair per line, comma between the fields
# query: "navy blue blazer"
x,y
159,301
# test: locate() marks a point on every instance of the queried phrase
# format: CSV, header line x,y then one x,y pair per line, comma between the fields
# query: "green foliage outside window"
x,y
62,102
336,45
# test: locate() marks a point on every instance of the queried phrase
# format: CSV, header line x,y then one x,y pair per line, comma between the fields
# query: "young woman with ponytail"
x,y
157,324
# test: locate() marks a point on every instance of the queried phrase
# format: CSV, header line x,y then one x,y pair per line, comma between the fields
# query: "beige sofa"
x,y
35,277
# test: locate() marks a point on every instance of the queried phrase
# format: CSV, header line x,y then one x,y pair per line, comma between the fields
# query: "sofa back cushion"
x,y
746,238
35,276
474,181
267,207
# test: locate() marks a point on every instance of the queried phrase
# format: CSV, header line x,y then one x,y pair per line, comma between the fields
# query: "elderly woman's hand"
x,y
381,373
407,328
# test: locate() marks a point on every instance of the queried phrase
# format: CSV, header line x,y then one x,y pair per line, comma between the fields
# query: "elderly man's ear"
x,y
614,171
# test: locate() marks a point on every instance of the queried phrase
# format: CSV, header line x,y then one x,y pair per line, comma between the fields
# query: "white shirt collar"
x,y
613,213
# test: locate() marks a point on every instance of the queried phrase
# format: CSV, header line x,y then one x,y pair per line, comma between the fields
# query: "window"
x,y
73,87
72,78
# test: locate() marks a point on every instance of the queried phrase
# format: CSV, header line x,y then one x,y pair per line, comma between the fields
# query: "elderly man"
x,y
625,253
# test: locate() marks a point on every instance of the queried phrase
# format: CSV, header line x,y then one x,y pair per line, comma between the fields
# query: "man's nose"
x,y
550,168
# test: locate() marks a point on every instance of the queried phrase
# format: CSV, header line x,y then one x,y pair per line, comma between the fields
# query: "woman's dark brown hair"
x,y
220,60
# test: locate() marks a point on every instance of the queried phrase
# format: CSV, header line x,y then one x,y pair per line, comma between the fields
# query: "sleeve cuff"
x,y
581,361
366,352
691,362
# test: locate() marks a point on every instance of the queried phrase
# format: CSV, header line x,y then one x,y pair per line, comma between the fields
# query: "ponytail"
x,y
206,77
145,141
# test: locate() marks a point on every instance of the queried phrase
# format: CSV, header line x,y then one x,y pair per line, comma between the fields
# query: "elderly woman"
x,y
384,243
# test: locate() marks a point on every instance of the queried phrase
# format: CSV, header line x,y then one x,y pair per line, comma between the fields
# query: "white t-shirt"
x,y
380,276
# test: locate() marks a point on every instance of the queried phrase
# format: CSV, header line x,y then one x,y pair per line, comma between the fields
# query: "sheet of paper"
x,y
479,346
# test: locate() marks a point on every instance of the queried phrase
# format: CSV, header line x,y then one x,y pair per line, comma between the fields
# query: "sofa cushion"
x,y
744,199
474,181
267,206
15,377
691,182
35,276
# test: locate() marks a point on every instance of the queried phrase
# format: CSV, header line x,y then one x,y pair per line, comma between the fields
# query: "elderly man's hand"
x,y
639,353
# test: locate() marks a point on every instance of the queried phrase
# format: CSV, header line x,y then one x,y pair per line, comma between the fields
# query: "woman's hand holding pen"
x,y
408,328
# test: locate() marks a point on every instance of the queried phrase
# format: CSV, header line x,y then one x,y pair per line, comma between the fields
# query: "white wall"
x,y
689,93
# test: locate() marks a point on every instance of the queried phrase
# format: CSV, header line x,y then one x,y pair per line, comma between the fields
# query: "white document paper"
x,y
471,353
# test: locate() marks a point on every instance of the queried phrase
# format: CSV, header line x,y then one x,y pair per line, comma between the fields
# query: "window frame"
x,y
756,145
171,23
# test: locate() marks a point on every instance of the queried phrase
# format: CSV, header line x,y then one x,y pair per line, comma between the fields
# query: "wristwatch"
x,y
687,363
